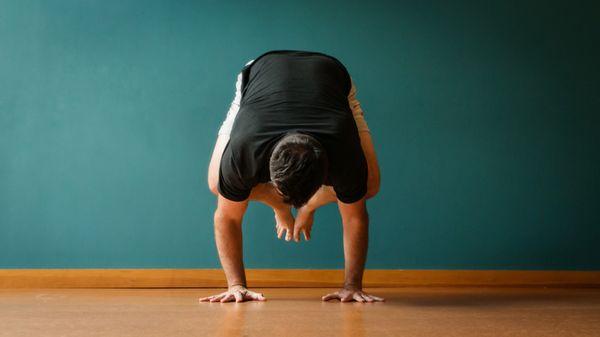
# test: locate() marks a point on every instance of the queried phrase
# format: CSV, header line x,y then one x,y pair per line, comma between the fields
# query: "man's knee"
x,y
213,186
372,191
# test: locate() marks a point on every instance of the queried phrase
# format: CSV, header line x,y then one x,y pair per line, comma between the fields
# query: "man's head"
x,y
298,167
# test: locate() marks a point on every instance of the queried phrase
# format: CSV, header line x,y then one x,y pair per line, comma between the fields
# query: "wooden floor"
x,y
299,312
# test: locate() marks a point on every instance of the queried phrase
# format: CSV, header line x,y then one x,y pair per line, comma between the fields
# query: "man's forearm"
x,y
356,240
228,236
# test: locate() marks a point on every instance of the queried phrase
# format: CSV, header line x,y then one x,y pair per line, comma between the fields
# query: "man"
x,y
295,135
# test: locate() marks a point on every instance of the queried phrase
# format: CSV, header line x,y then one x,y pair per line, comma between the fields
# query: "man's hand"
x,y
349,294
284,222
236,293
304,222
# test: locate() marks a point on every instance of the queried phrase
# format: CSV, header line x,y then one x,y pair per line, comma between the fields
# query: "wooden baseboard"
x,y
206,278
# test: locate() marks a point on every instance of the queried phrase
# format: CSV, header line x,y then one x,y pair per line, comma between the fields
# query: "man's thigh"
x,y
215,163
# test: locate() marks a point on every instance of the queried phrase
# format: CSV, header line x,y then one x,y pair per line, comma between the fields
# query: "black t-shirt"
x,y
293,91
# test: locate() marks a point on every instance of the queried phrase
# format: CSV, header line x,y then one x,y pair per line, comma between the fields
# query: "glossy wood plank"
x,y
186,278
293,312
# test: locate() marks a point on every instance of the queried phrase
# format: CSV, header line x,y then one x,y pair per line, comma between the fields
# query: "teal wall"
x,y
485,117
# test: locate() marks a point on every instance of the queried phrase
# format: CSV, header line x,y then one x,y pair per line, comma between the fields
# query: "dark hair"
x,y
298,167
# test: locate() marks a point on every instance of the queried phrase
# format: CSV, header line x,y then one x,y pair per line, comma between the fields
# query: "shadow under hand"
x,y
233,322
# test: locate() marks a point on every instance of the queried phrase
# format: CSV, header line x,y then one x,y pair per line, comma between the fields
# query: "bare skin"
x,y
228,231
235,293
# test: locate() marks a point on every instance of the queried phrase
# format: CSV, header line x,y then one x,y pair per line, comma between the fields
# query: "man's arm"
x,y
355,220
356,238
228,236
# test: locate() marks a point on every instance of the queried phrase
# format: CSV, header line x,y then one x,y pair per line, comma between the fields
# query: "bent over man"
x,y
294,136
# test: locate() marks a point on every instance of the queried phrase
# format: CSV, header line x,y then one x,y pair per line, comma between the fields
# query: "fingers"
x,y
303,223
304,231
227,298
377,299
234,296
217,298
358,297
284,220
247,295
347,298
297,228
363,297
352,296
300,229
367,298
288,235
330,297
281,230
238,296
250,295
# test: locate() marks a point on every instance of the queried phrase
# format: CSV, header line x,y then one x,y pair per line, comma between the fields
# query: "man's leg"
x,y
374,179
215,162
366,142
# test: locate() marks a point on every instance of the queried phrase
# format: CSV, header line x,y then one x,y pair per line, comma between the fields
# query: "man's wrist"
x,y
280,207
352,286
237,286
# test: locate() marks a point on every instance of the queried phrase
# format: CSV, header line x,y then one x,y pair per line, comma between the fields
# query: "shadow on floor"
x,y
495,298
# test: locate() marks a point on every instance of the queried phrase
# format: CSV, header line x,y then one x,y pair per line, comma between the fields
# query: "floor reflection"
x,y
353,319
233,318
233,321
244,319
